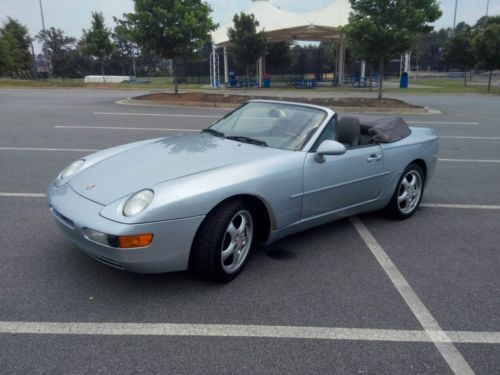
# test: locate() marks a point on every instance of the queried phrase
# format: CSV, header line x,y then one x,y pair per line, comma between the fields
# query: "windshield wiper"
x,y
213,132
240,138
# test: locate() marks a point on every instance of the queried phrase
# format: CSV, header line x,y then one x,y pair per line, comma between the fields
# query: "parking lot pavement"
x,y
465,183
343,288
431,279
180,355
453,267
485,359
32,171
466,148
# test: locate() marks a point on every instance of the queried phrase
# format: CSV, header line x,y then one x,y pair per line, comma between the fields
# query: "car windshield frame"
x,y
280,125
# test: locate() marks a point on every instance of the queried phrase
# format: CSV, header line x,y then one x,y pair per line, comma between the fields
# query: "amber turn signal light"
x,y
139,240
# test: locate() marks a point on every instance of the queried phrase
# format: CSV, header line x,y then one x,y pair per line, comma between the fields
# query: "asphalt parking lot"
x,y
364,295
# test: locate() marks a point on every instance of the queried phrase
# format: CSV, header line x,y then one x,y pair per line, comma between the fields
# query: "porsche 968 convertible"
x,y
264,171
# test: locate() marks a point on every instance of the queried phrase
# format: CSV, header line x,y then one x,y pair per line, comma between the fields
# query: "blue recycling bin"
x,y
403,82
233,82
266,80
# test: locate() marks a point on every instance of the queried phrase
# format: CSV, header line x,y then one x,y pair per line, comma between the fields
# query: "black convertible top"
x,y
383,129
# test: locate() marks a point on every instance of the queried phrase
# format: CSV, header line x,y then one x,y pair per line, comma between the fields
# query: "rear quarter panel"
x,y
422,144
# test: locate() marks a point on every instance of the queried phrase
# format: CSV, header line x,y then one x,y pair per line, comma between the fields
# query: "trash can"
x,y
266,80
232,79
403,82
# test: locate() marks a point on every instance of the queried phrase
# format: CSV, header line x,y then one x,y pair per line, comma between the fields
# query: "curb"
x,y
154,103
400,111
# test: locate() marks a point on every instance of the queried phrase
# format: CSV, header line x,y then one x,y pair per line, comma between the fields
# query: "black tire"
x,y
207,248
404,210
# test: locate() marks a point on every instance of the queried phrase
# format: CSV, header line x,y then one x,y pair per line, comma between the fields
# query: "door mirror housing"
x,y
329,147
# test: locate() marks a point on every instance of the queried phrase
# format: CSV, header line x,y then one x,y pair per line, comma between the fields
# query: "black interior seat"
x,y
349,131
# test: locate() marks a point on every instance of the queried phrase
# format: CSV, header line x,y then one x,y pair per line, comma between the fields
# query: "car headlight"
x,y
71,170
138,202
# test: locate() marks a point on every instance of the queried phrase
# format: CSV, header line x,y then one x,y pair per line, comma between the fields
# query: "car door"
x,y
343,180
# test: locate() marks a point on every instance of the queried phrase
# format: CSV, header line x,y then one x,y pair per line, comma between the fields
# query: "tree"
x,y
459,50
170,28
6,61
381,29
330,52
278,55
486,46
14,47
123,39
96,40
429,48
246,44
59,46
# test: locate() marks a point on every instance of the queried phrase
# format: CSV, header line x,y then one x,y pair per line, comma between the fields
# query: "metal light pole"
x,y
487,7
49,55
41,14
454,17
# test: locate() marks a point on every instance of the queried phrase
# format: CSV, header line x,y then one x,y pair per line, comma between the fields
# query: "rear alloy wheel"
x,y
408,194
223,242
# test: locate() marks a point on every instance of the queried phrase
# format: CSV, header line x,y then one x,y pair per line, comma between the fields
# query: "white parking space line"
x,y
23,195
219,330
124,128
474,337
233,330
443,123
46,149
462,206
152,114
470,160
441,340
463,137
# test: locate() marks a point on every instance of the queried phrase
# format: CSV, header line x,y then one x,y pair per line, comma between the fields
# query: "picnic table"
x,y
300,83
234,83
365,82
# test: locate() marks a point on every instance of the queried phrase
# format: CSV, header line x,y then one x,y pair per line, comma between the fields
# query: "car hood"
x,y
162,160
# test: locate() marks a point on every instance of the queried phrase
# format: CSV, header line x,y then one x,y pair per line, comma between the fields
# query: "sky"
x,y
74,15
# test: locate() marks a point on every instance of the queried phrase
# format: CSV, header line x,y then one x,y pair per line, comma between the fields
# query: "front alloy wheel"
x,y
224,240
237,241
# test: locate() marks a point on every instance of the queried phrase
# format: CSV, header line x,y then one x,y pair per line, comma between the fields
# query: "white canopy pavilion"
x,y
324,25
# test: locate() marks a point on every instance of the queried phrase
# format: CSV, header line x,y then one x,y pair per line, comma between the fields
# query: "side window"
x,y
330,132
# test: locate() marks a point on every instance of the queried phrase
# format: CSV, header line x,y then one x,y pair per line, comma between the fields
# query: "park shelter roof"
x,y
321,25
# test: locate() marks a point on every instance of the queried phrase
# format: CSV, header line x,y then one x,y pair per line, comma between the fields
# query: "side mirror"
x,y
329,147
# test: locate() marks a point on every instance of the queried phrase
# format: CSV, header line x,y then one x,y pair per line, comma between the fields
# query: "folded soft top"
x,y
384,129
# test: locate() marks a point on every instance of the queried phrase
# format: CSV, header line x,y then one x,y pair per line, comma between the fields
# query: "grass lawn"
x,y
447,86
422,86
58,82
149,83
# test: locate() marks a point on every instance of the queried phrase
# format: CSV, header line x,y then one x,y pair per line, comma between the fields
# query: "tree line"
x,y
141,41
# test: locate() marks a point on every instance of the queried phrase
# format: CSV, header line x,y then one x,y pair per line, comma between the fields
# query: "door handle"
x,y
374,157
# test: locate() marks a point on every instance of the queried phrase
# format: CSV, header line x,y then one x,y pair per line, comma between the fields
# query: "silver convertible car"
x,y
262,172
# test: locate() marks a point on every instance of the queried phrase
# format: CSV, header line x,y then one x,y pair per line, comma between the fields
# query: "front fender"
x,y
277,182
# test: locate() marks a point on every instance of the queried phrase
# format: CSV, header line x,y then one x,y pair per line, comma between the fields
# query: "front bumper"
x,y
168,252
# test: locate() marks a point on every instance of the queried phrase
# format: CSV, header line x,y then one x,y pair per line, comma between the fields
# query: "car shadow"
x,y
288,250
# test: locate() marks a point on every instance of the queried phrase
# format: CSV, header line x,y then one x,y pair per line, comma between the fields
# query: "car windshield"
x,y
276,125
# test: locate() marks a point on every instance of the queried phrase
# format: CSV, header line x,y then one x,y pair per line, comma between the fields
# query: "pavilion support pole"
x,y
226,67
400,66
261,70
337,70
341,61
257,73
407,62
363,69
